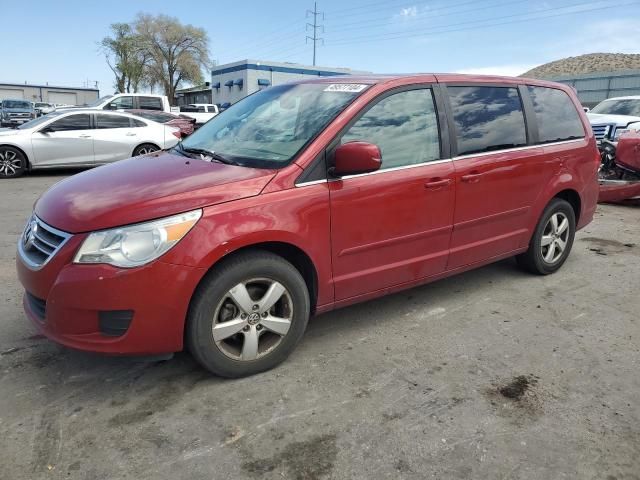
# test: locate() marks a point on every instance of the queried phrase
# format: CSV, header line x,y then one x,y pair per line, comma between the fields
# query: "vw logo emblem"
x,y
253,318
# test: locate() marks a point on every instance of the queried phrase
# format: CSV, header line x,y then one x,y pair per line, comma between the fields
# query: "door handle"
x,y
84,136
437,183
131,134
472,177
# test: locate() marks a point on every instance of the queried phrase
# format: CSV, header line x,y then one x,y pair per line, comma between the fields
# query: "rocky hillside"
x,y
589,63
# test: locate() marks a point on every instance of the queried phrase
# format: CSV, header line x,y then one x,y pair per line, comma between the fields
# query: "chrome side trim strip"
x,y
444,160
517,149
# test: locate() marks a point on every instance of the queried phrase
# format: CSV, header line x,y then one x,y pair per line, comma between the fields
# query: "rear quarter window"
x,y
487,118
556,115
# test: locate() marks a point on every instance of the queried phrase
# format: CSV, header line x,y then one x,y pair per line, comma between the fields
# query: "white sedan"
x,y
80,138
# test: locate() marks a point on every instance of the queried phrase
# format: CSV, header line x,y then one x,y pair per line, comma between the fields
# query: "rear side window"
x,y
111,121
137,123
556,115
150,103
403,125
487,118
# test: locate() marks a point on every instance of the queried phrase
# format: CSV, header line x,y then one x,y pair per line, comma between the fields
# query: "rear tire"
x,y
247,315
144,149
13,163
552,239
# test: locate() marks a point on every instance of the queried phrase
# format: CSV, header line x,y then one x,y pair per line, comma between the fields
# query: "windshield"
x,y
37,121
99,101
16,104
627,106
267,129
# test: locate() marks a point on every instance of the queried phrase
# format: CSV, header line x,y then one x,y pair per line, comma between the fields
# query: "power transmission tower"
x,y
315,27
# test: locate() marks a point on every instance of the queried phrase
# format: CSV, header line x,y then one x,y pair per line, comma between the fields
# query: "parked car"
x,y
302,198
80,138
183,122
202,112
43,108
611,118
130,101
15,112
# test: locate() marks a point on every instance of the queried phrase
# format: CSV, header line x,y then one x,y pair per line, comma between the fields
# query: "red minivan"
x,y
303,198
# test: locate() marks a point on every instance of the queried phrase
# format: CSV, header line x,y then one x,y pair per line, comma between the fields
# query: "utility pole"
x,y
315,27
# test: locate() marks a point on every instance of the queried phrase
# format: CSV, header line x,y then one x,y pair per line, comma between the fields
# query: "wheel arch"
x,y
573,197
290,252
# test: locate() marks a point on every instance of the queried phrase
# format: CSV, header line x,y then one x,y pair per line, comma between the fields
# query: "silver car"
x,y
81,138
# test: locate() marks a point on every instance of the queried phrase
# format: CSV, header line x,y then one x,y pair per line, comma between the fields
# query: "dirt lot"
x,y
492,374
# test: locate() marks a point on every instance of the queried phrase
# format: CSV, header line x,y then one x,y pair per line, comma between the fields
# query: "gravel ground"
x,y
491,374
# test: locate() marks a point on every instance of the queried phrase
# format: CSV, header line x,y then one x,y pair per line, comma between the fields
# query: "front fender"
x,y
297,216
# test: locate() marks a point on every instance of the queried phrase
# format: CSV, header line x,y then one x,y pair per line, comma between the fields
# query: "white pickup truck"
x,y
130,101
202,112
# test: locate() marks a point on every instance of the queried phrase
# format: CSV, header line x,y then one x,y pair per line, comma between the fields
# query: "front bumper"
x,y
66,302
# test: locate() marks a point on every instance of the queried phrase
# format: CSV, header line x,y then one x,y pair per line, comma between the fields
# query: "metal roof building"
x,y
48,93
592,88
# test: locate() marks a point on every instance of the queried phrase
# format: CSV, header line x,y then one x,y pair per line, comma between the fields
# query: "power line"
x,y
315,28
422,32
418,17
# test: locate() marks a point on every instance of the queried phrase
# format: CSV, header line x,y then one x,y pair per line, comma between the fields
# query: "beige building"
x,y
48,93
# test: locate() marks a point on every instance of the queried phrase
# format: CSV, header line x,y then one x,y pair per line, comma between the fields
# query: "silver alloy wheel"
x,y
147,149
252,319
10,163
554,238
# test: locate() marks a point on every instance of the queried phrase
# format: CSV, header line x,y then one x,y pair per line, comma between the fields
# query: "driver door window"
x,y
120,103
72,122
403,125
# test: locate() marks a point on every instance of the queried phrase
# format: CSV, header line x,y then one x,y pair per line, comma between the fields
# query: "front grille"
x,y
39,242
601,131
37,306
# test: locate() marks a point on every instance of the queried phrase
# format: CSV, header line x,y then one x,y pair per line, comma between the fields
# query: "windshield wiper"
x,y
209,154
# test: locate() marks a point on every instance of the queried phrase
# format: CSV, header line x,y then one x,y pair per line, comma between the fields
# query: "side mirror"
x,y
356,157
586,109
46,129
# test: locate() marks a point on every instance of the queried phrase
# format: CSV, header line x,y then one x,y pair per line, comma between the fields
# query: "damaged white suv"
x,y
612,117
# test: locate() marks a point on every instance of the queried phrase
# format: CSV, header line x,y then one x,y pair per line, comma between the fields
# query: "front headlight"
x,y
618,132
136,245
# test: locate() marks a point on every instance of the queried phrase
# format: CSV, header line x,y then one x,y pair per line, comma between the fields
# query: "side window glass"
x,y
487,118
138,123
556,115
111,121
81,121
120,103
150,103
403,125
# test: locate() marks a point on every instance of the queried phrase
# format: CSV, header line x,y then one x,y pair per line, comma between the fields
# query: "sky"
x,y
56,42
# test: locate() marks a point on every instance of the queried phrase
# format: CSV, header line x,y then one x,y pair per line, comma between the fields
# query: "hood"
x,y
6,132
144,188
618,120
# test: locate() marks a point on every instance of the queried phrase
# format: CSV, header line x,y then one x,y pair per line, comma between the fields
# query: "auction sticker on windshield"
x,y
345,87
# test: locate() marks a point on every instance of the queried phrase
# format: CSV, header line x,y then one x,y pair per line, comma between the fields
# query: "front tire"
x,y
552,239
13,164
248,315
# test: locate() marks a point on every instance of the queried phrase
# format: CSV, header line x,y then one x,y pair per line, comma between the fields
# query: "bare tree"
x,y
125,57
176,52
